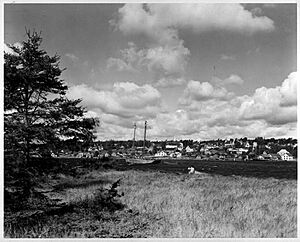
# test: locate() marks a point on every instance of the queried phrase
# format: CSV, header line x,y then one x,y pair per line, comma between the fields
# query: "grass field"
x,y
161,204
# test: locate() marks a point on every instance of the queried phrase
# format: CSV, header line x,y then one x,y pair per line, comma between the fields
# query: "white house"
x,y
189,150
171,147
285,155
247,145
161,154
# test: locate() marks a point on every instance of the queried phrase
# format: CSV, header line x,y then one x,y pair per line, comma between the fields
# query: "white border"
x,y
130,1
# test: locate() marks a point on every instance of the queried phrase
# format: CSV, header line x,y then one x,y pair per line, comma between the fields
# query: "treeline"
x,y
270,145
139,143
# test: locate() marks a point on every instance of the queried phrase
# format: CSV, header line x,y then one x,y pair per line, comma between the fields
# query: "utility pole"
x,y
145,137
134,128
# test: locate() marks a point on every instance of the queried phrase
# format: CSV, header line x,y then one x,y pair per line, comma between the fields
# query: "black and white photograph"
x,y
149,120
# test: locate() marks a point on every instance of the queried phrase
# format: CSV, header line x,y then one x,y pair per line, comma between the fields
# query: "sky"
x,y
193,71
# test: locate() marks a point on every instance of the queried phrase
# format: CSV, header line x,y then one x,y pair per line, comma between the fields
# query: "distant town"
x,y
241,149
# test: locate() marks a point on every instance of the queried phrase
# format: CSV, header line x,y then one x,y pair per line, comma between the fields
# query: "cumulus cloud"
x,y
108,131
171,124
119,64
91,114
131,59
288,90
216,123
256,11
209,111
160,23
270,112
233,79
153,19
169,82
274,105
166,59
119,107
9,50
126,99
202,91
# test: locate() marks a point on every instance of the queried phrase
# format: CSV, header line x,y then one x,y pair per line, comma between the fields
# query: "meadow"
x,y
159,204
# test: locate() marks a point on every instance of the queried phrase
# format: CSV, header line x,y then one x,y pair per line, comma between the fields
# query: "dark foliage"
x,y
38,115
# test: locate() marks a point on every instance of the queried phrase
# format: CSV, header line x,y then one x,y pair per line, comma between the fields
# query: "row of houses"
x,y
238,154
227,150
217,150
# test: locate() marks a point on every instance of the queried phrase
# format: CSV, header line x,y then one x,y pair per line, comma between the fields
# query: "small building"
x,y
285,155
247,145
189,150
171,147
260,157
161,154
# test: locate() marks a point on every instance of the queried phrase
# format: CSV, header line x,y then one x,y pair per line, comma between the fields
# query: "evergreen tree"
x,y
37,114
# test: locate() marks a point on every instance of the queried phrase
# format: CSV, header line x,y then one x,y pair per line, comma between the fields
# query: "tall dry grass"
x,y
172,205
210,206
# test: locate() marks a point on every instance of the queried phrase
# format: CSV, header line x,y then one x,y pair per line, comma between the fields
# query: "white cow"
x,y
193,171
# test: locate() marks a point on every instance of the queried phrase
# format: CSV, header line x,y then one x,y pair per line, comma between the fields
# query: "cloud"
x,y
119,107
91,114
288,90
161,21
210,119
126,99
256,11
270,112
169,82
78,62
253,51
108,131
274,105
119,64
209,111
202,91
233,79
131,59
9,50
177,123
227,57
72,56
217,123
166,60
18,45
